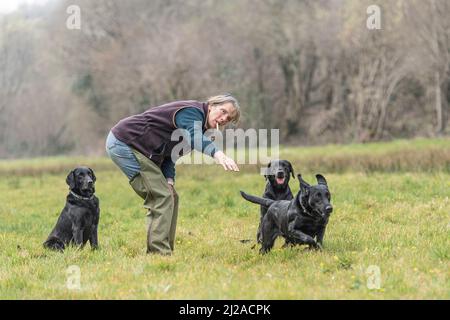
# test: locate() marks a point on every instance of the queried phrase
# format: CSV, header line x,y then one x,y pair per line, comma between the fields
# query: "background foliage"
x,y
310,68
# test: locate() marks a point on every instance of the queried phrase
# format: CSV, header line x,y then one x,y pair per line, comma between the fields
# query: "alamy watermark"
x,y
73,21
245,147
374,277
373,22
73,281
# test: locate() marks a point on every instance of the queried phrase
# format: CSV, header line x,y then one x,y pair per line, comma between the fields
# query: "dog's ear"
x,y
291,169
321,179
304,186
267,170
94,178
70,180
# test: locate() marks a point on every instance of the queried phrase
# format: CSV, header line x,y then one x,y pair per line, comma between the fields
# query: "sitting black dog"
x,y
277,174
78,220
300,220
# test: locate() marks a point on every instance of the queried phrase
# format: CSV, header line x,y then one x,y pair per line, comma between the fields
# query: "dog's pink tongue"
x,y
280,180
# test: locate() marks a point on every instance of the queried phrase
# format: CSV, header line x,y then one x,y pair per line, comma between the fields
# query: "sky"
x,y
7,6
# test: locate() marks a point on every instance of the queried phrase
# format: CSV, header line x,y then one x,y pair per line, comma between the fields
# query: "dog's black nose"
x,y
90,183
328,209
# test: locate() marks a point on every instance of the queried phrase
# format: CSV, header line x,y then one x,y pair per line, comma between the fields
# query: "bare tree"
x,y
430,22
16,55
309,68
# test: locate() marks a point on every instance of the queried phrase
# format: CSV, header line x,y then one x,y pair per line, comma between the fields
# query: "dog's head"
x,y
278,173
316,199
81,180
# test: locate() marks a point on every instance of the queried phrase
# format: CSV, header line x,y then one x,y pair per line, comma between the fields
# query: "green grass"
x,y
398,221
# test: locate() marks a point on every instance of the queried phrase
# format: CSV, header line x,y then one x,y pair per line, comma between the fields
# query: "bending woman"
x,y
141,147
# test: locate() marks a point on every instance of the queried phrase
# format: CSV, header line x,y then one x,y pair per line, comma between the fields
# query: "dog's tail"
x,y
54,244
262,201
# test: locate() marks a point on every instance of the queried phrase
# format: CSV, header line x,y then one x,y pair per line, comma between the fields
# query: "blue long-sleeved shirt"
x,y
184,119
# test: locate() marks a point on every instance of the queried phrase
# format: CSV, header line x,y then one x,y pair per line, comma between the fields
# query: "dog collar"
x,y
304,209
80,197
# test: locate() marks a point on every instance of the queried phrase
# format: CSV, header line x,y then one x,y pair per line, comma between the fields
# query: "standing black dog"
x,y
78,220
278,174
300,220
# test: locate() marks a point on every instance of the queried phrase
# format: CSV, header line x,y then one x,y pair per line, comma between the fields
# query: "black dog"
x,y
78,220
300,220
277,188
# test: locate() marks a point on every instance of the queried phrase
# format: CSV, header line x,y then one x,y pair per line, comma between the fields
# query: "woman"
x,y
141,147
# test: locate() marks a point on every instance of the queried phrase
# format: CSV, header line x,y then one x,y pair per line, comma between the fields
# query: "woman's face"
x,y
221,114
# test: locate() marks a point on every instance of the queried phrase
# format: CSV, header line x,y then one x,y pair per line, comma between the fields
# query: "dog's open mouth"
x,y
280,180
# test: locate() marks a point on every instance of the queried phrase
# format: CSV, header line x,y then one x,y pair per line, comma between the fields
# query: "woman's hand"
x,y
226,162
172,190
171,183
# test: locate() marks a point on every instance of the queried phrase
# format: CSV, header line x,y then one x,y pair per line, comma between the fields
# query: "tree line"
x,y
313,69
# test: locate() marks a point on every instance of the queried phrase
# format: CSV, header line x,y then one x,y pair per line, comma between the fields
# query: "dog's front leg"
x,y
300,237
93,239
320,234
77,234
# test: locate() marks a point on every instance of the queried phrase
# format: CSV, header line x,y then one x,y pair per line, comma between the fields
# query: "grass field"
x,y
388,237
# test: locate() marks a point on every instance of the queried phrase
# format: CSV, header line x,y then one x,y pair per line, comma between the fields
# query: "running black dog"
x,y
78,221
278,174
300,220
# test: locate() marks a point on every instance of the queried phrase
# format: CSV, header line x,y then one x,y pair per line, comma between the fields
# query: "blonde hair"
x,y
226,98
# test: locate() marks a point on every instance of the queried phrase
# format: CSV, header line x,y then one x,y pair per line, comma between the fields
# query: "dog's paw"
x,y
288,245
315,246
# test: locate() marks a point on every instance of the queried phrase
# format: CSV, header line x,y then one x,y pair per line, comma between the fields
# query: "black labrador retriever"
x,y
78,221
300,220
278,174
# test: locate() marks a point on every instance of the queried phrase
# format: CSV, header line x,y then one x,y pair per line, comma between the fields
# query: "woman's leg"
x,y
148,181
159,201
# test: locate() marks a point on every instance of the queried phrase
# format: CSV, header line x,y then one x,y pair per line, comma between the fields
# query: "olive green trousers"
x,y
151,185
